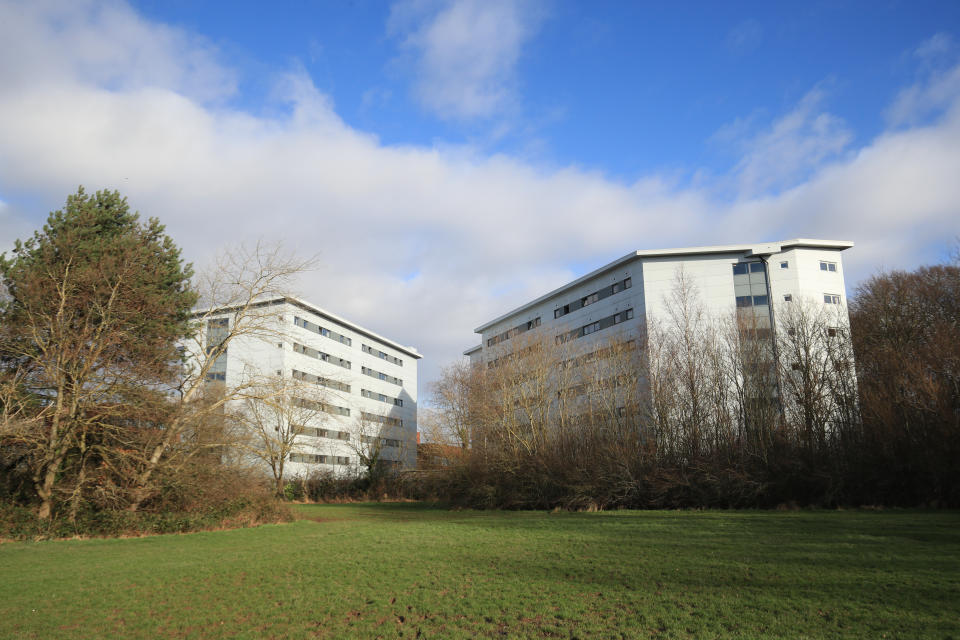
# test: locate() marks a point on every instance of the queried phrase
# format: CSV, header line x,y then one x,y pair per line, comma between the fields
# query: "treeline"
x,y
701,412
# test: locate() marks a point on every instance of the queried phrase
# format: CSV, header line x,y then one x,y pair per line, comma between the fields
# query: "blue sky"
x,y
622,87
449,160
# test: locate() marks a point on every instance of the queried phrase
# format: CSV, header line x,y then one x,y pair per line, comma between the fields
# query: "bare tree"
x,y
236,295
278,415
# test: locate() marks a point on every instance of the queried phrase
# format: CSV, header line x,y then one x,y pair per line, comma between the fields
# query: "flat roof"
x,y
473,349
756,248
311,308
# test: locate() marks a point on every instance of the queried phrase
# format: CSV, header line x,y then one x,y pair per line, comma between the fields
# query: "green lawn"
x,y
406,570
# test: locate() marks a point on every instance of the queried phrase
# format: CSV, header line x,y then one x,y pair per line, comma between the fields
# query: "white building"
x,y
625,295
368,382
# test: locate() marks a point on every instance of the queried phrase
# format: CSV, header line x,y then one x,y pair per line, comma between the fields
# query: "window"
x,y
595,296
756,267
390,422
788,297
320,355
327,333
828,266
785,265
832,332
593,327
759,301
379,375
744,301
383,356
517,330
740,268
831,298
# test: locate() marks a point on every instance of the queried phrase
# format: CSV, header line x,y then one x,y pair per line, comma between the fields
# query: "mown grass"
x,y
402,570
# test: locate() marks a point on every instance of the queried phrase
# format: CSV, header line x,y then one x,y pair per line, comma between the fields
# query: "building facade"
x,y
366,384
628,295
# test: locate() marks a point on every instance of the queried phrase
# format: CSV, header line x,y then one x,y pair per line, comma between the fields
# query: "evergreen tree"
x,y
94,307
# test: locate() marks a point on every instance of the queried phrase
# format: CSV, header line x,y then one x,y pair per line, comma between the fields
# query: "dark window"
x,y
744,301
759,300
740,268
756,267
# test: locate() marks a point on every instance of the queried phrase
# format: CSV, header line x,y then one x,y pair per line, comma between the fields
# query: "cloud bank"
x,y
424,243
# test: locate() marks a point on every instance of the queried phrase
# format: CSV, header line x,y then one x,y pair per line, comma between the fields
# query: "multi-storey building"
x,y
627,295
366,383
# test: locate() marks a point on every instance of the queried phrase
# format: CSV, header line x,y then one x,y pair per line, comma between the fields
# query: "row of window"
x,y
390,422
384,442
320,380
593,327
379,375
596,296
339,337
322,406
373,395
755,301
320,355
324,433
742,267
382,355
517,330
599,354
327,333
309,458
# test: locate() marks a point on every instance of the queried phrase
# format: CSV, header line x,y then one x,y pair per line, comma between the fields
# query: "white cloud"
x,y
784,153
918,101
484,232
465,52
107,43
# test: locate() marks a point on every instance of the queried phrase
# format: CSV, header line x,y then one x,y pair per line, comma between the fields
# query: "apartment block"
x,y
625,296
367,383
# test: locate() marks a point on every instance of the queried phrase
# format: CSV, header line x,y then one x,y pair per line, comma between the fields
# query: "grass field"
x,y
402,570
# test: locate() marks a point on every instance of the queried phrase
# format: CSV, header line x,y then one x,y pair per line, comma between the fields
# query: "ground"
x,y
408,570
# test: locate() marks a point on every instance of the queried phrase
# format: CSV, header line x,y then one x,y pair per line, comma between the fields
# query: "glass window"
x,y
756,267
784,265
759,300
744,301
740,268
788,297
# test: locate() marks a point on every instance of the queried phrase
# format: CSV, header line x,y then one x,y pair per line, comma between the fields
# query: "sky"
x,y
446,161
